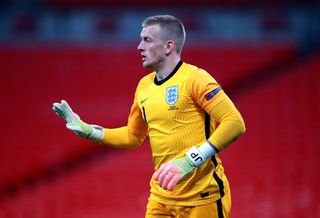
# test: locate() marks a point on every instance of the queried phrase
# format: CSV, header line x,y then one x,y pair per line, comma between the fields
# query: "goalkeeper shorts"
x,y
219,209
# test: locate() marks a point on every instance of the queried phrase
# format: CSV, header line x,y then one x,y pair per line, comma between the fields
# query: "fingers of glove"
x,y
56,106
166,179
57,109
163,175
175,179
158,172
69,114
64,111
166,170
76,116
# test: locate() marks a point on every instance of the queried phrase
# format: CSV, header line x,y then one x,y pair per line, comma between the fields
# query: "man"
x,y
178,106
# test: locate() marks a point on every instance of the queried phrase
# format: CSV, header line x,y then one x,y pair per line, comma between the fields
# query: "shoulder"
x,y
146,80
197,75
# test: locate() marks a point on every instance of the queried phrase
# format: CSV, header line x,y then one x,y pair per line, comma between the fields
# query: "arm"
x,y
208,95
74,123
230,128
130,136
122,138
231,124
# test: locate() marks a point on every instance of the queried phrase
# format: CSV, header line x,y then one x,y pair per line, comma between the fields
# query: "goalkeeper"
x,y
188,119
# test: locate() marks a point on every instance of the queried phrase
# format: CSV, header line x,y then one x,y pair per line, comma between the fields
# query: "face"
x,y
152,47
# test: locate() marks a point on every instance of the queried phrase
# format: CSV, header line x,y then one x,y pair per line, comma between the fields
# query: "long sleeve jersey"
x,y
185,109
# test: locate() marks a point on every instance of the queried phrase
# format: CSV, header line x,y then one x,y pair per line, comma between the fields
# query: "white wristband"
x,y
207,150
199,155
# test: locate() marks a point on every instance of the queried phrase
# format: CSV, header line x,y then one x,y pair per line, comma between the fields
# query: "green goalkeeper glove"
x,y
170,173
75,124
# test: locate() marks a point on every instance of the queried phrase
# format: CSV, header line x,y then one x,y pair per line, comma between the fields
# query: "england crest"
x,y
172,95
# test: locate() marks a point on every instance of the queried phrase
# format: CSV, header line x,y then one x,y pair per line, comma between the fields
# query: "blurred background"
x,y
265,54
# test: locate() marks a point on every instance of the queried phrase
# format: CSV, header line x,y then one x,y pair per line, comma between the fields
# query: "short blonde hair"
x,y
173,28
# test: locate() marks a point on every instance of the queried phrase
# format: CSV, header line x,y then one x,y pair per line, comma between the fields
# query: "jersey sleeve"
x,y
136,123
204,89
208,95
231,124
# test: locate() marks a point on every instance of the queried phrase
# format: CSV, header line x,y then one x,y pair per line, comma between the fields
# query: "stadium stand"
x,y
46,171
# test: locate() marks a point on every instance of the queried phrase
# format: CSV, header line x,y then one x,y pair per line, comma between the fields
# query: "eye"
x,y
147,39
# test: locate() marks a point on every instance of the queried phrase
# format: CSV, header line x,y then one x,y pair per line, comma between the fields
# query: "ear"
x,y
169,47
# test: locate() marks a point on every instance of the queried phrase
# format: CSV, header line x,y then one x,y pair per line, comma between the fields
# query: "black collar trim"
x,y
157,82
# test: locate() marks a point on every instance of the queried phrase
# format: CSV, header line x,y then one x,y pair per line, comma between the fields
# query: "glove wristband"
x,y
207,150
97,134
199,155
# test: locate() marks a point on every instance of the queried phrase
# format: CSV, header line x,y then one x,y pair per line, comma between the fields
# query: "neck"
x,y
167,68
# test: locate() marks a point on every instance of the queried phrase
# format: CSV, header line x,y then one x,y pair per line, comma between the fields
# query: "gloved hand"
x,y
75,124
170,173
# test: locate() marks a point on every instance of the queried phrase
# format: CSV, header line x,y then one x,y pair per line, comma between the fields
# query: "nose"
x,y
140,48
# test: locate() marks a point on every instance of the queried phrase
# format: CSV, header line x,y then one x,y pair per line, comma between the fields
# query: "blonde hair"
x,y
171,27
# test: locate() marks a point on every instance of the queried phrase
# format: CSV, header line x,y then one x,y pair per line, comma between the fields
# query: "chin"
x,y
147,65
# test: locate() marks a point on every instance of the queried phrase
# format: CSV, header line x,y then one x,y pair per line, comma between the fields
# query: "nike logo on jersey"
x,y
143,100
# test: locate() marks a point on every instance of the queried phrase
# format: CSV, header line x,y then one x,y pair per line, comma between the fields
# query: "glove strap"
x,y
97,134
199,155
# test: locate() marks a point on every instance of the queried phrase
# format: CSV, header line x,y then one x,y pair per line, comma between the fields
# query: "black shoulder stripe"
x,y
208,133
207,125
220,183
220,210
213,158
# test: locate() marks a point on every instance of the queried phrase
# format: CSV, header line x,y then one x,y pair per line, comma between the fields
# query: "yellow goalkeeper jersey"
x,y
177,113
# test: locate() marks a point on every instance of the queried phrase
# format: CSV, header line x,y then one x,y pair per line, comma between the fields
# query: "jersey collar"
x,y
160,82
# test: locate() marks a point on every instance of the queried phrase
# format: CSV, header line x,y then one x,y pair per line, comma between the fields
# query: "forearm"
x,y
122,138
231,124
230,128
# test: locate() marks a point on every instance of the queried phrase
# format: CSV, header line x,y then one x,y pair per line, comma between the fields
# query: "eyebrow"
x,y
145,37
